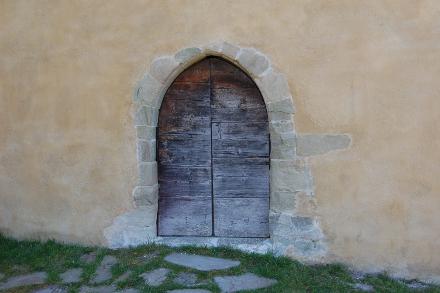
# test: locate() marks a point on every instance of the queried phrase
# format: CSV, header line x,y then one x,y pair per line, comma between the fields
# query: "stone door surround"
x,y
291,234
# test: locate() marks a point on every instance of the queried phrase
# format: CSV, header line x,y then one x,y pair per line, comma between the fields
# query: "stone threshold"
x,y
258,245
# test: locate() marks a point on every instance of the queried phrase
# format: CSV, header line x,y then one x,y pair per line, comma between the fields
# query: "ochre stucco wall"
x,y
370,69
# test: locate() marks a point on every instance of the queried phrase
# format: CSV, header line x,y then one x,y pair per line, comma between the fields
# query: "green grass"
x,y
17,257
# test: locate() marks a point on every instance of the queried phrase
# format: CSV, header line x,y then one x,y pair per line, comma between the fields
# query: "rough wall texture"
x,y
367,68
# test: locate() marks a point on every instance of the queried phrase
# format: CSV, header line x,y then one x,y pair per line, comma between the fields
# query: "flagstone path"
x,y
154,278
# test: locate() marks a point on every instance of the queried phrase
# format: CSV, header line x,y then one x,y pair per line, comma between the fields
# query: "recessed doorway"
x,y
213,154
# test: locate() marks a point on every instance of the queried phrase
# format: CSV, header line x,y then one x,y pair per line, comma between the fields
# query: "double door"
x,y
213,154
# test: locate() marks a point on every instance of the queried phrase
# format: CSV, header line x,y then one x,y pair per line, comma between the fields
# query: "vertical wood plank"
x,y
184,155
240,154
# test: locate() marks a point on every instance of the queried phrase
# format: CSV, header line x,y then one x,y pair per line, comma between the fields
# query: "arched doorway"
x,y
213,154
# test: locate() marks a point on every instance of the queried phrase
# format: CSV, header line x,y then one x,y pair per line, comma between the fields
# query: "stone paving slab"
x,y
186,279
202,263
71,276
51,289
129,290
189,291
363,287
156,277
246,281
24,280
99,289
88,258
123,277
103,272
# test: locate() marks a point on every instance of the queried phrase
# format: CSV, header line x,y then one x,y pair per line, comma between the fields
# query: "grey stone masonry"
x,y
289,172
201,263
318,144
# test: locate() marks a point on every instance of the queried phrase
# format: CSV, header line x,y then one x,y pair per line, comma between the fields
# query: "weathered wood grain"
x,y
190,181
213,124
224,74
241,217
186,110
190,216
240,130
240,167
237,105
241,187
198,73
184,149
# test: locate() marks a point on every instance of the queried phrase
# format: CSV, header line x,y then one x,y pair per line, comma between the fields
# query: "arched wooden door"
x,y
213,154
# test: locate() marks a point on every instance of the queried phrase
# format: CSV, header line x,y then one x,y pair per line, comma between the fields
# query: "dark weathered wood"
x,y
183,216
198,73
184,155
237,105
240,167
184,149
241,217
226,75
213,147
190,181
240,130
240,139
241,186
186,110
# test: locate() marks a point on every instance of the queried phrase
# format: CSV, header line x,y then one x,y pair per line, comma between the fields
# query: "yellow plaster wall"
x,y
367,68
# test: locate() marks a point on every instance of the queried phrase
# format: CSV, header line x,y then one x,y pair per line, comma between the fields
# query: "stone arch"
x,y
291,234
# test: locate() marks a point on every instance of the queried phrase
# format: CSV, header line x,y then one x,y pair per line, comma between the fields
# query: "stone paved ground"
x,y
56,268
153,278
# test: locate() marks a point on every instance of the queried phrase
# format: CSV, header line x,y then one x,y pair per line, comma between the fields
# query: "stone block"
x,y
213,48
243,282
147,173
24,280
187,55
255,62
282,201
156,277
273,86
146,132
71,276
133,228
231,51
146,116
146,195
284,106
163,68
287,228
318,144
200,262
282,126
148,91
146,150
305,204
283,144
289,175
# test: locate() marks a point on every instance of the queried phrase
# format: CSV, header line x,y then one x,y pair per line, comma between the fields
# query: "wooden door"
x,y
213,154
